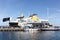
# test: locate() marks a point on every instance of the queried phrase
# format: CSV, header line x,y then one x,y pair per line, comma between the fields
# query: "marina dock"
x,y
31,29
50,29
11,29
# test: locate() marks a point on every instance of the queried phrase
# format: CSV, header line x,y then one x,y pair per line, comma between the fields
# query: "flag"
x,y
6,19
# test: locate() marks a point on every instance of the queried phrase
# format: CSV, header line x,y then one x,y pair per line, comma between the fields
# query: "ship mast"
x,y
21,16
47,12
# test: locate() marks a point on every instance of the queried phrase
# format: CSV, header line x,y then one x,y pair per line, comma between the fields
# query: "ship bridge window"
x,y
22,21
46,23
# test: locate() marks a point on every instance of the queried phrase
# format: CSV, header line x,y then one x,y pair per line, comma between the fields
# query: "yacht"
x,y
28,23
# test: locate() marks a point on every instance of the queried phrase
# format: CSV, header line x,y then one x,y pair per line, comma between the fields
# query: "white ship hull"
x,y
31,29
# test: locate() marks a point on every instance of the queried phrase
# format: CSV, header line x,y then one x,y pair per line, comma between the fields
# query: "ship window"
x,y
46,23
22,20
36,25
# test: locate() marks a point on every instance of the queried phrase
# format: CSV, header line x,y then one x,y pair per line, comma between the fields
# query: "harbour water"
x,y
30,35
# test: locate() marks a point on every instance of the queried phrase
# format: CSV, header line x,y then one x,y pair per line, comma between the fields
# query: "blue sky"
x,y
13,8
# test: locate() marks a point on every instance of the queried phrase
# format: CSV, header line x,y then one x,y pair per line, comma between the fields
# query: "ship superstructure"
x,y
30,22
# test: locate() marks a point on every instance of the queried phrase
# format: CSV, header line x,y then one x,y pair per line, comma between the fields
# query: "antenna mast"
x,y
47,12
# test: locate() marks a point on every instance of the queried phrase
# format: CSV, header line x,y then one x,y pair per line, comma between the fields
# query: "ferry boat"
x,y
29,23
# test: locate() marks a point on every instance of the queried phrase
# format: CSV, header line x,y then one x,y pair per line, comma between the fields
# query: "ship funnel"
x,y
34,17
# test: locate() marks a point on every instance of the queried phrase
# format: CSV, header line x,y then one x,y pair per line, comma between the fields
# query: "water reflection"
x,y
0,35
26,35
36,35
44,35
